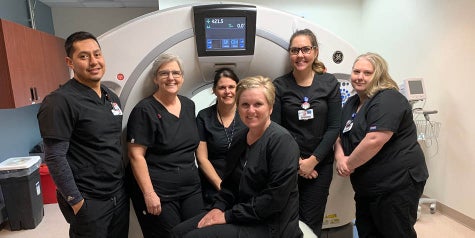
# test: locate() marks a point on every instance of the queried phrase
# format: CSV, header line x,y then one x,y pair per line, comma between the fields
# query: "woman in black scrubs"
x,y
217,126
162,138
378,148
259,192
308,104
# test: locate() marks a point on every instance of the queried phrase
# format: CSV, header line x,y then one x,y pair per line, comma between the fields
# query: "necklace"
x,y
228,138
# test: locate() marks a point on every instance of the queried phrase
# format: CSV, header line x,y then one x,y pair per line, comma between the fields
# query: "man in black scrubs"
x,y
81,126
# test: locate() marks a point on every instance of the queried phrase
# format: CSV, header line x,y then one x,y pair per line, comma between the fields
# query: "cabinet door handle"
x,y
32,94
36,94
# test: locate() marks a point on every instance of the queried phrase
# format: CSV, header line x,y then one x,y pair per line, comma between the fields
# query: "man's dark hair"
x,y
77,36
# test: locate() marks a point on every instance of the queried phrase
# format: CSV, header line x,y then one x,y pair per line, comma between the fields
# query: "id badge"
x,y
116,109
348,126
305,114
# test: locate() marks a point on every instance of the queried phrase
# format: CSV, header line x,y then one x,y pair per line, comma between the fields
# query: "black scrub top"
x,y
314,136
213,133
171,143
260,182
75,113
401,160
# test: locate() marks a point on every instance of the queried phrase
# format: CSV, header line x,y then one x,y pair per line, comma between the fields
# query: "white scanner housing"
x,y
131,48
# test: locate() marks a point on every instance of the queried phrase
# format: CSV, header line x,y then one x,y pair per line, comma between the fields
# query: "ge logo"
x,y
338,57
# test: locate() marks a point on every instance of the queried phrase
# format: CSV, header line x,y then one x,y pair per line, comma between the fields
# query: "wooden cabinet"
x,y
32,65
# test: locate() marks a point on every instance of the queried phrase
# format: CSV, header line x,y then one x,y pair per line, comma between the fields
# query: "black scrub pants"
x,y
208,191
390,215
188,229
173,212
107,218
313,195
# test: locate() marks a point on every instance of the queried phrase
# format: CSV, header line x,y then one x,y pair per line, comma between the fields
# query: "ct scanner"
x,y
261,49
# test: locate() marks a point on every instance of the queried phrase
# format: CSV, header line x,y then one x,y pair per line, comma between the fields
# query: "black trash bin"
x,y
21,188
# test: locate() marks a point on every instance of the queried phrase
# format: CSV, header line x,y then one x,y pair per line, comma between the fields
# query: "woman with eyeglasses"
x,y
217,126
308,104
162,138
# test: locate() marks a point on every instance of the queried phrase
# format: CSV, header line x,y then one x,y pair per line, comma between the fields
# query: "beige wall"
x,y
433,39
94,20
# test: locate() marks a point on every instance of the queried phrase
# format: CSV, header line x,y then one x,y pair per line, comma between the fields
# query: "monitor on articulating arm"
x,y
413,89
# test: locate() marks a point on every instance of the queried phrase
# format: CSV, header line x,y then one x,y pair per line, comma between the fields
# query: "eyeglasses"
x,y
166,73
305,50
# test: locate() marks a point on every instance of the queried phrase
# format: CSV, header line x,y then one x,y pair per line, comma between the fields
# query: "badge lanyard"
x,y
349,123
305,104
229,138
306,113
115,107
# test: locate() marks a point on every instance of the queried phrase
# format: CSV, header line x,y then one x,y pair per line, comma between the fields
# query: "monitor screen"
x,y
415,87
224,29
225,33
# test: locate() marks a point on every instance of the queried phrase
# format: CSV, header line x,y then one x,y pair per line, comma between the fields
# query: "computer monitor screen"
x,y
414,89
224,29
225,33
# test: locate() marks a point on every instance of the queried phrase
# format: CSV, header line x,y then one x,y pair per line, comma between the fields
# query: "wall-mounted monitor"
x,y
224,29
413,89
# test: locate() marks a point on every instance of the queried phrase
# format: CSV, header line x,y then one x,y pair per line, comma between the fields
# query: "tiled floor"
x,y
53,226
437,226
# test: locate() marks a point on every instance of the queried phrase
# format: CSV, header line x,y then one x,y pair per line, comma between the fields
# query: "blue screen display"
x,y
225,33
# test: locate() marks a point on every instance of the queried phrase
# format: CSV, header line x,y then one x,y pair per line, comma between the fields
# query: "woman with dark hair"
x,y
217,125
378,149
308,104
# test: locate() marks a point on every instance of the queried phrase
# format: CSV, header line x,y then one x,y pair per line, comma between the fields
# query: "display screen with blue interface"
x,y
225,33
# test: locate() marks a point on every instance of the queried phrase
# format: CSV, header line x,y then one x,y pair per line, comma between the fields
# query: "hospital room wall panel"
x,y
94,20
